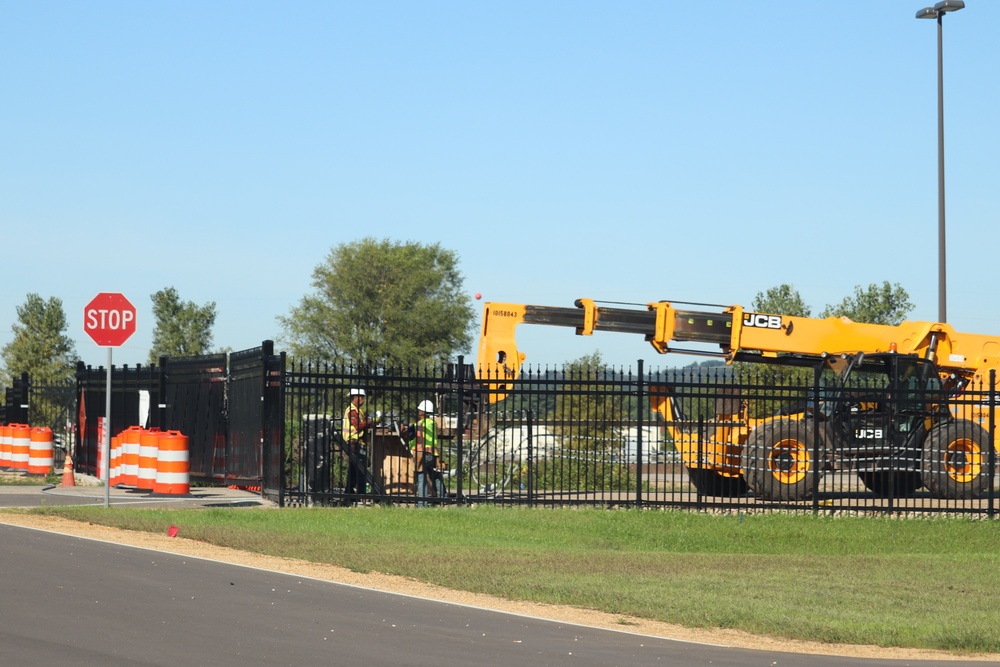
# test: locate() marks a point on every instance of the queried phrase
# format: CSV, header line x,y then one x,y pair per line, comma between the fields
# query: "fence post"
x,y
990,505
22,400
161,403
640,411
702,436
531,459
266,454
460,427
816,463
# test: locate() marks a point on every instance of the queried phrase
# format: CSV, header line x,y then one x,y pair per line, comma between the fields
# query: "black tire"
x,y
955,460
712,483
888,484
778,460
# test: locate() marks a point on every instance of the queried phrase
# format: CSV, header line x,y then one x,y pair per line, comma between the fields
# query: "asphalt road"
x,y
72,601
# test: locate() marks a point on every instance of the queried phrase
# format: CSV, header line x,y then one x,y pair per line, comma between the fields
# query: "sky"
x,y
619,151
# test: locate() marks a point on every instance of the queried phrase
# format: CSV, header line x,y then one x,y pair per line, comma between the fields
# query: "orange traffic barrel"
x,y
20,448
5,454
129,463
173,465
40,451
148,446
115,469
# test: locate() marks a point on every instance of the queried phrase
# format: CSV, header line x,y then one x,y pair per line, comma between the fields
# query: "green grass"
x,y
920,583
24,479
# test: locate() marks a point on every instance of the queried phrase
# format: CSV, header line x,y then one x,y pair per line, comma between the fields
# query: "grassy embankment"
x,y
921,583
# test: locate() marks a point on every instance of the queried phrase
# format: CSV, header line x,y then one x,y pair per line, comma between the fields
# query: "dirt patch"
x,y
394,584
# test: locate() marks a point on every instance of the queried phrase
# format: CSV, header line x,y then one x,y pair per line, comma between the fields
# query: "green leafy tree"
x,y
878,304
592,411
40,346
42,349
383,302
781,300
182,329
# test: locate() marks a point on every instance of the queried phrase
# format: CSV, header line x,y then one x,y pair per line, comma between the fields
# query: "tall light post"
x,y
937,12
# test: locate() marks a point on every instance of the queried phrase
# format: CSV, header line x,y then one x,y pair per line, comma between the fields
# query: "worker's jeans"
x,y
427,475
356,472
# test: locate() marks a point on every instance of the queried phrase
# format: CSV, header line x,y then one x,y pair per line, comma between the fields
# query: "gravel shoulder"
x,y
394,584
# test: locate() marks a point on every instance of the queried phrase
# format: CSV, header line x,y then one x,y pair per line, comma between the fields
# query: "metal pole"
x,y
106,437
937,12
942,292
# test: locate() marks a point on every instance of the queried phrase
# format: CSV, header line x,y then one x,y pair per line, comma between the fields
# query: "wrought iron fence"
x,y
728,439
873,434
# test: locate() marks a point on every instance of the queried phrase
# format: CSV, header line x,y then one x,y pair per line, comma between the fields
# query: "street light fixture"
x,y
937,12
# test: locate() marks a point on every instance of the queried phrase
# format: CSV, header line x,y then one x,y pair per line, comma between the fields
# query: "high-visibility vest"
x,y
426,436
354,429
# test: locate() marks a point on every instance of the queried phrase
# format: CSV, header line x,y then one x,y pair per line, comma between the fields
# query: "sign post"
x,y
109,319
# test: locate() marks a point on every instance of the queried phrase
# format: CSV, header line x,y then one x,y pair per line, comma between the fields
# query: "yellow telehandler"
x,y
891,411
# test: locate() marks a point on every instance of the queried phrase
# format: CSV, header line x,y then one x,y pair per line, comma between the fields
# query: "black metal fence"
x,y
729,439
226,405
893,438
51,405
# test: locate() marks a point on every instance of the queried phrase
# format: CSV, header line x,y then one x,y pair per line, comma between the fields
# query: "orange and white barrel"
x,y
115,469
40,451
149,442
129,465
6,459
20,448
173,464
99,464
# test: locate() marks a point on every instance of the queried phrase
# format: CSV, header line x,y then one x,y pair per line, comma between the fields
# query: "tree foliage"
x,y
878,304
40,346
182,329
586,402
42,349
383,302
781,300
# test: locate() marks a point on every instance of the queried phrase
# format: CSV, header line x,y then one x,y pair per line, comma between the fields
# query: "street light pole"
x,y
937,12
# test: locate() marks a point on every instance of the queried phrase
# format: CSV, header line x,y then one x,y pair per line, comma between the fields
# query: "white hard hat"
x,y
357,392
426,406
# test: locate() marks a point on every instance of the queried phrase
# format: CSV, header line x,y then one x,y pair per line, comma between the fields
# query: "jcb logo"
x,y
761,321
868,433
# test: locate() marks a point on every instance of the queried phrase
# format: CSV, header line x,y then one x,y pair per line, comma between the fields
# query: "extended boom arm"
x,y
739,335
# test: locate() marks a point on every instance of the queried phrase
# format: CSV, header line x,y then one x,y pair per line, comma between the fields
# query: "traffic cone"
x,y
68,478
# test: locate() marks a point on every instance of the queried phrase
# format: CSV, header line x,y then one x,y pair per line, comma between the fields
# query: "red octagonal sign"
x,y
109,319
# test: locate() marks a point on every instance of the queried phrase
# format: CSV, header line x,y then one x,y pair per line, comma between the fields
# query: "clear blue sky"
x,y
620,151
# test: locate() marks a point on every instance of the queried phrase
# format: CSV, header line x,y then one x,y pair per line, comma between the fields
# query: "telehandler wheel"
x,y
956,460
888,484
710,482
778,460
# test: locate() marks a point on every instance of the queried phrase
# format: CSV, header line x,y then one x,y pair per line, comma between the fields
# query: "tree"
x,y
42,349
182,329
885,304
40,346
781,300
383,302
592,411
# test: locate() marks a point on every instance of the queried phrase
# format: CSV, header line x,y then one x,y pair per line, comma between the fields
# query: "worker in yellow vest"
x,y
355,431
422,437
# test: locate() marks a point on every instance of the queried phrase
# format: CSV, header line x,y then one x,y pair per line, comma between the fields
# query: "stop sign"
x,y
109,319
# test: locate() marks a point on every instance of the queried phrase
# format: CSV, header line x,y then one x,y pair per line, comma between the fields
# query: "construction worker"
x,y
422,437
355,431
